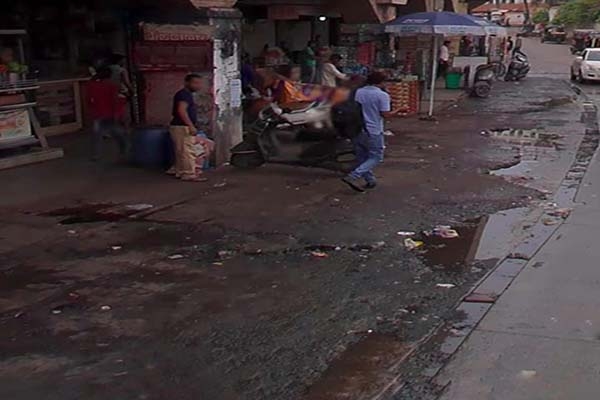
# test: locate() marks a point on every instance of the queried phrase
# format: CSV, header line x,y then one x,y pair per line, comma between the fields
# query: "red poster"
x,y
14,124
365,54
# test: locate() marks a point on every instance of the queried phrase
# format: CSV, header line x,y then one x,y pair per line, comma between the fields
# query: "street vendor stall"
x,y
436,25
367,47
21,139
488,49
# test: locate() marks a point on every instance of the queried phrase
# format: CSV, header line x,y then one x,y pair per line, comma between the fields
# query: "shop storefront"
x,y
63,42
19,126
277,35
160,43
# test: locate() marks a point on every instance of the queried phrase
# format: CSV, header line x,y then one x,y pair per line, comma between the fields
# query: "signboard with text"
x,y
176,33
14,124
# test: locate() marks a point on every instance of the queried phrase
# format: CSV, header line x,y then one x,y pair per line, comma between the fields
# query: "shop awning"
x,y
353,12
189,5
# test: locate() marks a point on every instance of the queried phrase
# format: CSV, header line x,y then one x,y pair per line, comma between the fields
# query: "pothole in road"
x,y
96,212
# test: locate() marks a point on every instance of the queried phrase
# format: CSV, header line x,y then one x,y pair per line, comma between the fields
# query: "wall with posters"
x,y
227,85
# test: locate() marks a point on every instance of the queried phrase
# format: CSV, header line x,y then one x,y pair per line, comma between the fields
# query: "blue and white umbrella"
x,y
436,24
490,27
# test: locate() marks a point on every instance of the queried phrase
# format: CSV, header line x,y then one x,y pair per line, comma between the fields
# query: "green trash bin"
x,y
453,80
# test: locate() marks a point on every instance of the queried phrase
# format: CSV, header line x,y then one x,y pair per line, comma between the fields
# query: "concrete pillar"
x,y
227,84
434,5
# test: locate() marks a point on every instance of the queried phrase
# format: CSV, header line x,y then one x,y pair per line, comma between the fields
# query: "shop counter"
x,y
59,106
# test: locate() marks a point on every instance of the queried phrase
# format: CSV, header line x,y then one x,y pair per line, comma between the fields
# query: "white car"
x,y
586,67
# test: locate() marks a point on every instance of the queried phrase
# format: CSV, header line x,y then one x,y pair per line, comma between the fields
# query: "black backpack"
x,y
347,117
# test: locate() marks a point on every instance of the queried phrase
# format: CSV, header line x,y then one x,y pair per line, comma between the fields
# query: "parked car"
x,y
586,67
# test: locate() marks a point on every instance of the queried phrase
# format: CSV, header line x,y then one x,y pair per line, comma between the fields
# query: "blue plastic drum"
x,y
151,147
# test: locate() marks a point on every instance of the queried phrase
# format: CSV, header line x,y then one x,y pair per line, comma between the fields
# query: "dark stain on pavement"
x,y
86,213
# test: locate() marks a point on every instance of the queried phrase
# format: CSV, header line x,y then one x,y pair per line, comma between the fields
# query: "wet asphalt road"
x,y
540,339
289,299
548,60
543,168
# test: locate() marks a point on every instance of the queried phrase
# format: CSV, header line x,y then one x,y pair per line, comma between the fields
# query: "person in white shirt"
x,y
331,73
444,59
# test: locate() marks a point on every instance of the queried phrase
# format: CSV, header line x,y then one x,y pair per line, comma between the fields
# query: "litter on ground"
x,y
560,212
443,231
412,244
406,233
445,285
527,374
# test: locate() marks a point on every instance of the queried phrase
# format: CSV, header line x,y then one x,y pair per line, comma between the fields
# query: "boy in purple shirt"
x,y
369,145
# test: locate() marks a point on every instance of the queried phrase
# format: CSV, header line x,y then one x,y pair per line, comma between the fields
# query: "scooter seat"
x,y
299,108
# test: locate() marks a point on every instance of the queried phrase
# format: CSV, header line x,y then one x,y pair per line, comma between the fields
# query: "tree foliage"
x,y
541,17
579,13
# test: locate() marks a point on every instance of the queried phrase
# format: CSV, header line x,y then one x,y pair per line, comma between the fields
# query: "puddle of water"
x,y
533,144
554,102
498,234
536,147
360,369
481,239
95,212
454,253
526,137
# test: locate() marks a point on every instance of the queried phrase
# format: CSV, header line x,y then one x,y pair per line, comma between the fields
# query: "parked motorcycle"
x,y
482,85
305,136
519,67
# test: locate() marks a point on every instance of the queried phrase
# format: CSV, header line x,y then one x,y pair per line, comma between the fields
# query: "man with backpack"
x,y
369,143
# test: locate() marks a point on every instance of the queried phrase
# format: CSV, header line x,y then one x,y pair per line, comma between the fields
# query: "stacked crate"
x,y
404,96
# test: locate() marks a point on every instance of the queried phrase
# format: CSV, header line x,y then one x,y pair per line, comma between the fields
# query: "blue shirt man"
x,y
369,145
184,98
374,102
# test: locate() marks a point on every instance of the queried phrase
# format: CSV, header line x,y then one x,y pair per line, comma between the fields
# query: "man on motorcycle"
x,y
369,145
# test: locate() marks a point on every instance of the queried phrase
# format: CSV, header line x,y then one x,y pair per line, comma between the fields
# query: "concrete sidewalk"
x,y
541,340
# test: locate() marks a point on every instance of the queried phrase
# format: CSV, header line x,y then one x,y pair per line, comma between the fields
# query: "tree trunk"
x,y
527,13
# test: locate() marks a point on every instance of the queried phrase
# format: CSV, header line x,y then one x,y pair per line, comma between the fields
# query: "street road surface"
x,y
539,341
281,284
548,59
